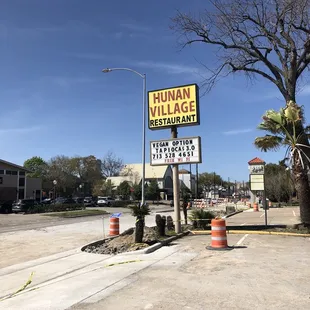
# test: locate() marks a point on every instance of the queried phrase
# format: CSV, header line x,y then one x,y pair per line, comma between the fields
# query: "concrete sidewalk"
x,y
65,279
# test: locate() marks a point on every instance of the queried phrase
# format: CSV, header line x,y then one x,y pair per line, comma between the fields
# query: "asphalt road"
x,y
17,222
285,216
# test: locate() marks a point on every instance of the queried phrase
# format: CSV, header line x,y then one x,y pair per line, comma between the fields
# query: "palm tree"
x,y
286,130
140,212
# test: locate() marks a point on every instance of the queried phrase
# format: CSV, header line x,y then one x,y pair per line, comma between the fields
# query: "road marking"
x,y
242,239
243,224
262,214
294,213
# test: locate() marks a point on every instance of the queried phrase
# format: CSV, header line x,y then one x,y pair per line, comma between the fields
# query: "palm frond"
x,y
138,211
268,142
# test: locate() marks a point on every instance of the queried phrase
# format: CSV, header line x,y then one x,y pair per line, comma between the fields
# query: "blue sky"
x,y
55,100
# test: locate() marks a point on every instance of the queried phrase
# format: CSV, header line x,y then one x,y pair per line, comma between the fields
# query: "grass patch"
x,y
77,213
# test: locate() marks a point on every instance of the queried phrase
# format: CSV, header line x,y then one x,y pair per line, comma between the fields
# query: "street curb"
x,y
252,232
232,214
164,211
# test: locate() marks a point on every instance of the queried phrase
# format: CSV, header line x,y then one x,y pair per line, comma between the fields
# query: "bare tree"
x,y
260,38
111,165
269,38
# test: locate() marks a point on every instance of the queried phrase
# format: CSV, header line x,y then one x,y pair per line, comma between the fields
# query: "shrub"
x,y
54,208
122,203
201,218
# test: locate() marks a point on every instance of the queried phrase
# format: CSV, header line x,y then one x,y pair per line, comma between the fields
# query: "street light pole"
x,y
143,76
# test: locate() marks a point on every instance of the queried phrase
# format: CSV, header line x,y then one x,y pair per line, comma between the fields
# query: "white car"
x,y
105,201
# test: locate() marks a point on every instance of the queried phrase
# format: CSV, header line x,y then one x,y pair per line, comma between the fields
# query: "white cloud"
x,y
18,130
237,131
170,68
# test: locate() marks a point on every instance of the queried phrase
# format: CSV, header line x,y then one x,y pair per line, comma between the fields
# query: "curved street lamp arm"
x,y
124,69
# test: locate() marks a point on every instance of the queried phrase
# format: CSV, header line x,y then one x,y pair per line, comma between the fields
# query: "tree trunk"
x,y
185,212
139,229
303,191
160,224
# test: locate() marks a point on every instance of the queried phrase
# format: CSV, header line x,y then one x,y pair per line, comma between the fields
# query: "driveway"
x,y
285,216
262,272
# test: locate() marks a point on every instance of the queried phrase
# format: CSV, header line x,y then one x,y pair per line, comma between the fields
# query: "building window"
x,y
14,172
21,182
21,172
8,172
1,171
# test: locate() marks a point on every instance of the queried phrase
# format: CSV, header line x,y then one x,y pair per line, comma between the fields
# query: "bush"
x,y
122,203
201,218
65,207
54,208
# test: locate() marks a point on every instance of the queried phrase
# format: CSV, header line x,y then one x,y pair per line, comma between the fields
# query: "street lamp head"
x,y
106,70
55,182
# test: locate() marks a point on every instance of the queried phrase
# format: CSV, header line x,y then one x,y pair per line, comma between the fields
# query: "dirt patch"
x,y
300,229
124,242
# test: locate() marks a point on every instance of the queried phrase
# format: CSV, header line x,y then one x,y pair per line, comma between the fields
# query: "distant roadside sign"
x,y
175,151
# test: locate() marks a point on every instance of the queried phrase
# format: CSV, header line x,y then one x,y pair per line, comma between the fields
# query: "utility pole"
x,y
176,188
213,185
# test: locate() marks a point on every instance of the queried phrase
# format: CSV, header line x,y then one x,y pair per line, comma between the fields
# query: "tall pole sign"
x,y
172,108
257,180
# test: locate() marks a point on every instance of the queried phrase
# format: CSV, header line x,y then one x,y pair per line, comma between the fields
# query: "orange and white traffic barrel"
x,y
255,207
218,235
114,226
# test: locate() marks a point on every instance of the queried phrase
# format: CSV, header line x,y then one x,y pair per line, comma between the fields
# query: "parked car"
x,y
47,201
6,206
62,200
78,199
22,205
105,201
89,202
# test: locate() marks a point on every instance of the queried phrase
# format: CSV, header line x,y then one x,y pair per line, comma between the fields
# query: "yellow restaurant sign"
x,y
177,106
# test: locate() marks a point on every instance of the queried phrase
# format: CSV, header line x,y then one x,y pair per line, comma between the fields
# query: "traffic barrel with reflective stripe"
x,y
218,235
255,207
114,226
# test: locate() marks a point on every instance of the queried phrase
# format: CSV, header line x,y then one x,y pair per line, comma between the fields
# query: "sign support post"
x,y
265,204
176,188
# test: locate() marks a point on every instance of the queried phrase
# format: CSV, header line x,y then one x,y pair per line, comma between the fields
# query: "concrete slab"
x,y
271,272
83,276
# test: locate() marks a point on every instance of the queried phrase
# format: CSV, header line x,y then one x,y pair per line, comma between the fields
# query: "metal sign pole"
x,y
265,204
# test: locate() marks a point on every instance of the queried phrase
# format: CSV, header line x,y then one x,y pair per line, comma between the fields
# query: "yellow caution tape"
x,y
29,281
121,263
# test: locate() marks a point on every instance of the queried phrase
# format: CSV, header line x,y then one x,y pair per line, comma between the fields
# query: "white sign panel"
x,y
257,182
175,151
257,169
